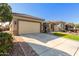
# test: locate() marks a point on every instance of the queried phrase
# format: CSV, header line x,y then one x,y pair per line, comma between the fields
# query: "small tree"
x,y
5,38
5,12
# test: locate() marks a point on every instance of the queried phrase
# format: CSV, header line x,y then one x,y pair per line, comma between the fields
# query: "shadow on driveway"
x,y
38,41
47,51
41,37
31,49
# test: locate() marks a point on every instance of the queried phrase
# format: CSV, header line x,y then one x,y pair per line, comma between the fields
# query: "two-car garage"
x,y
29,27
23,24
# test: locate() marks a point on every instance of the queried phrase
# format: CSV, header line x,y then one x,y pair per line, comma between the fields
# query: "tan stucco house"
x,y
23,24
59,26
54,26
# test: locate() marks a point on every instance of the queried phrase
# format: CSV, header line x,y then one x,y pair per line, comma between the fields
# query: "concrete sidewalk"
x,y
49,45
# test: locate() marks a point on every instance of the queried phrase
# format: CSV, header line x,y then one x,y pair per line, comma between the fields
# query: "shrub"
x,y
5,43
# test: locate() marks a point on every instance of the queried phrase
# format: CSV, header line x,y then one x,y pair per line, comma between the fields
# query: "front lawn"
x,y
70,36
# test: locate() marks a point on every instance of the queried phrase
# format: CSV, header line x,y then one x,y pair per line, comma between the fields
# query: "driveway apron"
x,y
50,45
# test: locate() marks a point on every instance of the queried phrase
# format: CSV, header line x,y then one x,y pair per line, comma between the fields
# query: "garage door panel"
x,y
28,27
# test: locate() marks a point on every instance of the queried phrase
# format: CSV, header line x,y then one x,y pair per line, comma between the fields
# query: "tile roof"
x,y
27,16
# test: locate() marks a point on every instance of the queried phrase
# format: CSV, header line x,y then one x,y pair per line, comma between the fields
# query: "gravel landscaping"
x,y
21,49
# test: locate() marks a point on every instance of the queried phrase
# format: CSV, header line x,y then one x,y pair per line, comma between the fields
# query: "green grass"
x,y
70,36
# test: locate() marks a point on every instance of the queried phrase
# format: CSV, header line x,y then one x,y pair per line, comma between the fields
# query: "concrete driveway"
x,y
50,45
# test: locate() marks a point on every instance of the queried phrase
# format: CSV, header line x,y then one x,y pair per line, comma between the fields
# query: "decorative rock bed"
x,y
21,48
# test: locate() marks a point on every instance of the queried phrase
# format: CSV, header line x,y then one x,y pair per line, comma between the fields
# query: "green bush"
x,y
5,43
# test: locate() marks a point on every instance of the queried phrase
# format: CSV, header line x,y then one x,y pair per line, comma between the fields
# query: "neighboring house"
x,y
23,24
69,27
54,26
57,26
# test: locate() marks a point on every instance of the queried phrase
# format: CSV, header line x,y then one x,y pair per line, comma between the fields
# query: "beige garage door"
x,y
28,27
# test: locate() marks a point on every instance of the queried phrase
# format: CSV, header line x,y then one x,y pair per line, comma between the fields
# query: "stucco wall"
x,y
13,26
15,29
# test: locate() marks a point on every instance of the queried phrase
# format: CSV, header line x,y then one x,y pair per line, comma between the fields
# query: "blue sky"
x,y
49,11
